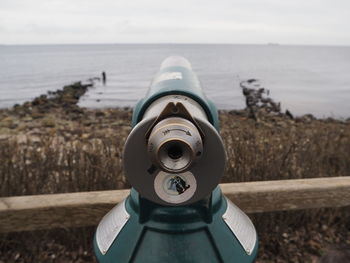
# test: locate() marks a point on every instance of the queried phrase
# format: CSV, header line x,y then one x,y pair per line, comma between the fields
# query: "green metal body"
x,y
189,86
191,233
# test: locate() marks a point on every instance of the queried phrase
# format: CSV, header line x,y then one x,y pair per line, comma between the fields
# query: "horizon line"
x,y
175,43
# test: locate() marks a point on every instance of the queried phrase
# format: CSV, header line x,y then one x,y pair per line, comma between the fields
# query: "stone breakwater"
x,y
57,113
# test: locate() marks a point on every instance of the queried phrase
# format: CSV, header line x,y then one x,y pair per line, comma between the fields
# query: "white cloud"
x,y
194,21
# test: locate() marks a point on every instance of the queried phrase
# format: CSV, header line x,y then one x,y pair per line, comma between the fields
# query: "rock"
x,y
22,139
289,114
69,100
85,136
331,120
9,122
117,124
282,124
37,115
27,119
99,114
309,117
238,112
87,122
35,131
4,137
35,139
39,100
73,116
7,119
127,108
5,130
76,109
48,122
22,126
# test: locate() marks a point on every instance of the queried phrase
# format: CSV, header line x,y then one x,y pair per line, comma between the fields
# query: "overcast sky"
x,y
322,22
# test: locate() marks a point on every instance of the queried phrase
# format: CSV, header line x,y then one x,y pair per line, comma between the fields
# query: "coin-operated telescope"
x,y
174,159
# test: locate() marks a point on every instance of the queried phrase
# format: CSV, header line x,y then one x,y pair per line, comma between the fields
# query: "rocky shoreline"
x,y
58,113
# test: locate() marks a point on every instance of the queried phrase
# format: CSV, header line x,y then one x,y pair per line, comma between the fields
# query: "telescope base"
x,y
211,230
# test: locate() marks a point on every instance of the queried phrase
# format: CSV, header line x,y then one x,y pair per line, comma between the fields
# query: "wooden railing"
x,y
24,213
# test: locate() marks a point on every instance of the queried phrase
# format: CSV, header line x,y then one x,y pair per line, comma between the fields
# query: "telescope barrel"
x,y
179,152
176,77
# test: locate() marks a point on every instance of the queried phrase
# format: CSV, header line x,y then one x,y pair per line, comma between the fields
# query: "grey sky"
x,y
320,22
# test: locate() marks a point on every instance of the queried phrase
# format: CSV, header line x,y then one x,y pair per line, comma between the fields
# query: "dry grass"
x,y
48,166
278,148
86,159
89,158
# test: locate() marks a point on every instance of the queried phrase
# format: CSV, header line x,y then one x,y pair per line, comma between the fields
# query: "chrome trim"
x,y
241,226
110,226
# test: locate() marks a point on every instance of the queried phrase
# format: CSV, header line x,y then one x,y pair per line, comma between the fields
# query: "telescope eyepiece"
x,y
175,152
175,144
175,155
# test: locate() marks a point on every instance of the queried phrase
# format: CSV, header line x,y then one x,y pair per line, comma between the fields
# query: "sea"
x,y
305,79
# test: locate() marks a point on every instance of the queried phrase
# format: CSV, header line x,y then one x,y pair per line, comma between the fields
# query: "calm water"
x,y
304,79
